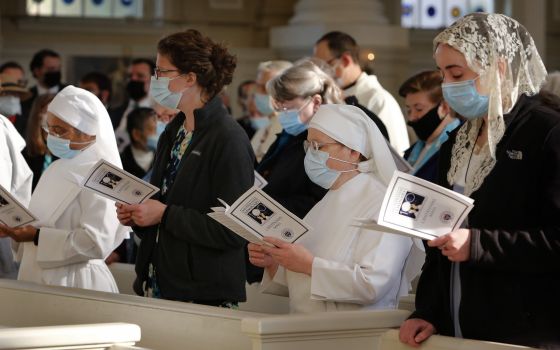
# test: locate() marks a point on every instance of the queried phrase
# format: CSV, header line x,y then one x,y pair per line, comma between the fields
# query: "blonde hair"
x,y
304,79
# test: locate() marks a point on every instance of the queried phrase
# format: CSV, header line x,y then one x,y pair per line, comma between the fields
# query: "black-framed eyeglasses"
x,y
158,72
316,145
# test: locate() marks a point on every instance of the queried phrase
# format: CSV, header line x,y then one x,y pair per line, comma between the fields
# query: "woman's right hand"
x,y
415,330
124,214
258,257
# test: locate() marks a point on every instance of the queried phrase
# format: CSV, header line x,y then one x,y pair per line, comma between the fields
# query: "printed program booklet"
x,y
418,208
255,215
12,212
116,184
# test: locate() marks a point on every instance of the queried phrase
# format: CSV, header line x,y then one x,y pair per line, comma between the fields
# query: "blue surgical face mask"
x,y
260,122
153,139
159,90
160,128
262,102
61,147
464,99
315,164
10,105
152,142
291,121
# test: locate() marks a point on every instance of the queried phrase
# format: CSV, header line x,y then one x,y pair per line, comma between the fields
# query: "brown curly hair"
x,y
190,51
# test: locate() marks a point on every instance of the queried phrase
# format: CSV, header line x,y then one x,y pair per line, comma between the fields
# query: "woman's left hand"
x,y
148,213
19,234
293,257
455,245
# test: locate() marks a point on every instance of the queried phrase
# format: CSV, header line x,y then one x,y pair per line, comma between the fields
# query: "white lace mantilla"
x,y
503,53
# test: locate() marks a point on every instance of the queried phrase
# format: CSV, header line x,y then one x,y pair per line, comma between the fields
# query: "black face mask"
x,y
426,125
51,79
135,90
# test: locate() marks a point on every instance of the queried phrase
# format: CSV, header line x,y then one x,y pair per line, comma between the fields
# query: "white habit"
x,y
353,268
79,229
372,95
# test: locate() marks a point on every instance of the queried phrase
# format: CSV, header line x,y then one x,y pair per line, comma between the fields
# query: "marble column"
x,y
364,20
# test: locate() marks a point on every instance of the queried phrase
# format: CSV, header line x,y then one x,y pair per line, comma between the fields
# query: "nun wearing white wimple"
x,y
77,229
337,266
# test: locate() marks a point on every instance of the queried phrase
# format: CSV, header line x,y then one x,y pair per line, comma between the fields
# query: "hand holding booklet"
x,y
418,208
255,215
113,183
12,212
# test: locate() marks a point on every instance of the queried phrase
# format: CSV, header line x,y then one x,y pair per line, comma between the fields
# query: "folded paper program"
x,y
418,208
256,215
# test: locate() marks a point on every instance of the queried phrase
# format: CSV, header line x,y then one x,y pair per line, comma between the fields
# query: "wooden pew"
x,y
175,325
354,330
256,301
390,341
91,336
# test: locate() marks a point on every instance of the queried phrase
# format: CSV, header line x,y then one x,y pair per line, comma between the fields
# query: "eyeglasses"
x,y
316,145
54,130
159,72
284,109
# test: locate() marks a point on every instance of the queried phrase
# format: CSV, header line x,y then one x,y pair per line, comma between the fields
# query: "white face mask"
x,y
10,105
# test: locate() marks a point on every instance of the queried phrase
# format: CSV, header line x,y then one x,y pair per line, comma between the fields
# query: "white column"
x,y
336,11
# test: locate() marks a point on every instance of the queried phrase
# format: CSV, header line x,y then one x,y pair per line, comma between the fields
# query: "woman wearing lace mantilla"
x,y
496,279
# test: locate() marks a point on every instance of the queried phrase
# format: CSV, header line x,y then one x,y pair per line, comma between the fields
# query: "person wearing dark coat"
x,y
496,278
202,155
297,93
432,121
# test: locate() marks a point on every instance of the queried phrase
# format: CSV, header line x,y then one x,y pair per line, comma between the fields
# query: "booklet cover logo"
x,y
411,205
260,213
110,180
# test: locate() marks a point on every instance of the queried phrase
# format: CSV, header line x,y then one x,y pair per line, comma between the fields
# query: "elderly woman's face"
x,y
453,66
335,150
59,128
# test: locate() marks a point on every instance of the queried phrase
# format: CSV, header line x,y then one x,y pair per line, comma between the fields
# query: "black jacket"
x,y
196,258
429,170
511,283
129,163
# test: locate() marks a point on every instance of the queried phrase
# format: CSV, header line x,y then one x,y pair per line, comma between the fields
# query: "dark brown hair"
x,y
340,43
190,51
426,81
36,145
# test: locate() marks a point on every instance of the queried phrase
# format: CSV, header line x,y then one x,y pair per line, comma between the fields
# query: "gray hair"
x,y
274,66
304,79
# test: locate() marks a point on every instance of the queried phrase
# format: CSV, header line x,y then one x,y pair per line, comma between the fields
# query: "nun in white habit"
x,y
77,229
337,266
15,177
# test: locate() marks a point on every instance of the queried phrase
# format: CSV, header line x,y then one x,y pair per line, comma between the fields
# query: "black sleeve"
x,y
430,293
232,176
533,249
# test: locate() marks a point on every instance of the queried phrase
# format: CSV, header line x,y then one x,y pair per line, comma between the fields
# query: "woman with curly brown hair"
x,y
202,155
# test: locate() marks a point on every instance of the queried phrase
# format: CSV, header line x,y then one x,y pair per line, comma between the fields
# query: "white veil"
x,y
85,112
350,126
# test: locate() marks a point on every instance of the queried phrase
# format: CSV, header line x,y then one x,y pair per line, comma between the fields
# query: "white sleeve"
x,y
378,265
95,232
277,285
